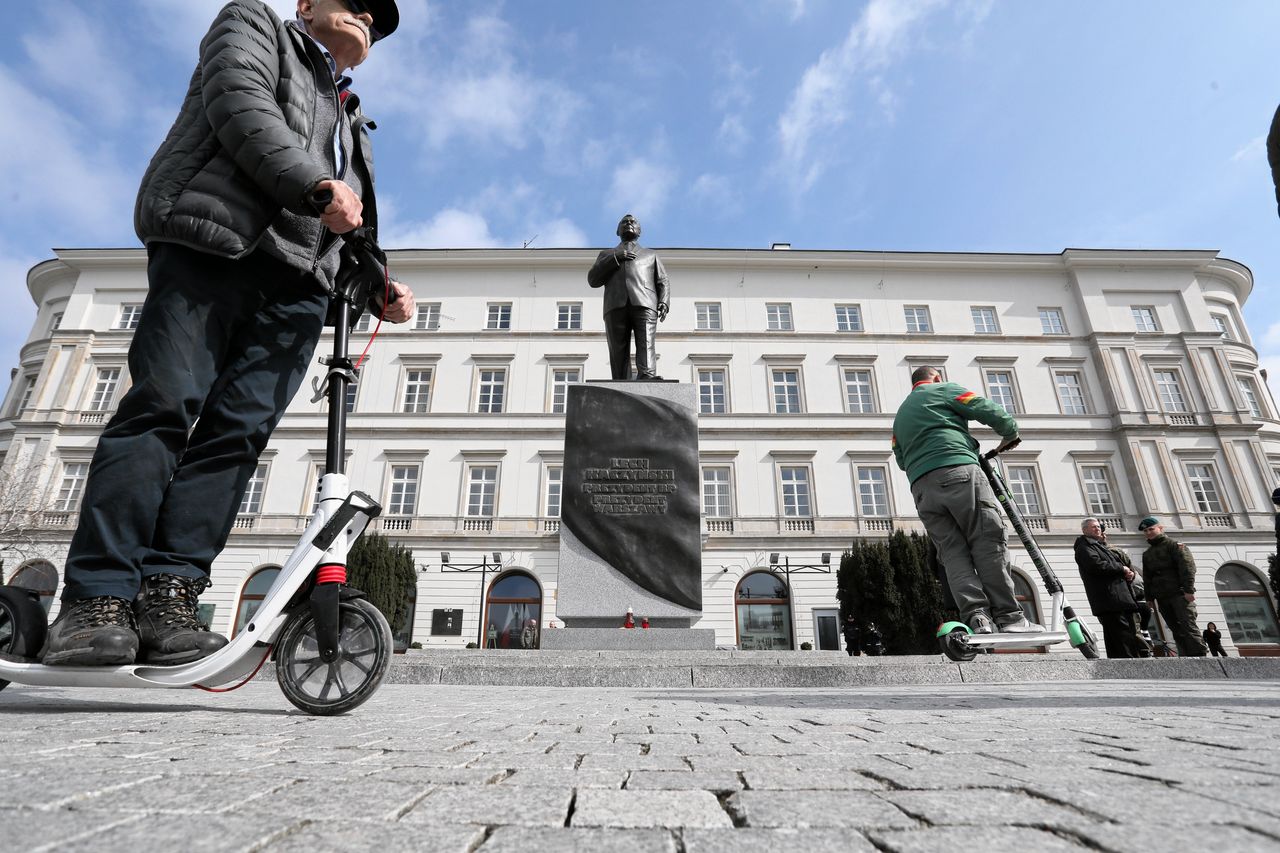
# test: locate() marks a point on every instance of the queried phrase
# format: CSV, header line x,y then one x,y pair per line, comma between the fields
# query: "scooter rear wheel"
x,y
955,645
364,653
1089,648
23,624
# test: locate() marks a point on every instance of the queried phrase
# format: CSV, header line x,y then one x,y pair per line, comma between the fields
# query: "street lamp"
x,y
823,568
483,566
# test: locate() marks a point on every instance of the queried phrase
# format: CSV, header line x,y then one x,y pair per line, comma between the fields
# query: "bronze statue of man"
x,y
636,297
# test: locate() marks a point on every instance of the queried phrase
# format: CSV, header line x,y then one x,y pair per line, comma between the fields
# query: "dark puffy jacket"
x,y
1168,568
246,145
1103,576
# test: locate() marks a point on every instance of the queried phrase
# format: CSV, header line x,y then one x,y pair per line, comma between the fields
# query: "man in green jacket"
x,y
1169,575
931,442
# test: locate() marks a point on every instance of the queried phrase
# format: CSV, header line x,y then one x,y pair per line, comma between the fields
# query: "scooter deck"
x,y
31,672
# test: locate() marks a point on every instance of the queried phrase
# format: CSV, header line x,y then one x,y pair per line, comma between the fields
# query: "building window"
x,y
763,605
55,322
104,392
363,324
779,317
1051,321
1170,388
717,494
568,316
917,319
1204,487
499,316
493,386
404,490
251,503
786,391
1097,490
1223,325
795,491
129,316
482,491
713,393
708,314
350,401
513,612
555,480
417,391
849,318
858,395
73,477
27,391
1023,489
1249,391
1247,608
1071,397
1144,318
561,379
255,590
984,320
1000,389
428,318
873,491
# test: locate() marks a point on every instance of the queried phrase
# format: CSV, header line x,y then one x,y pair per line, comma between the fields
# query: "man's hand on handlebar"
x,y
403,306
1007,444
343,212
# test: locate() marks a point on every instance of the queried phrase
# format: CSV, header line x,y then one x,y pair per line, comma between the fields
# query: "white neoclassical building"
x,y
1131,374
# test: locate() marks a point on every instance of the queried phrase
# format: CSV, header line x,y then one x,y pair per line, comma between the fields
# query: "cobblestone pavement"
x,y
1120,766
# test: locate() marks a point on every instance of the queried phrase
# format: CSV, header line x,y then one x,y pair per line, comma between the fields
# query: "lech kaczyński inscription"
x,y
629,486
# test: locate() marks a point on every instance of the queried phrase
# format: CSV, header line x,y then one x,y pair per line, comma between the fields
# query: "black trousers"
x,y
1118,634
219,351
620,325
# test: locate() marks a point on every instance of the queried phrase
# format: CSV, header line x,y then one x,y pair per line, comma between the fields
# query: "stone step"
x,y
733,669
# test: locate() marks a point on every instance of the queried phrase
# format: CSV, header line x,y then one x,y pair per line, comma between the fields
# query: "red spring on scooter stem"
x,y
331,573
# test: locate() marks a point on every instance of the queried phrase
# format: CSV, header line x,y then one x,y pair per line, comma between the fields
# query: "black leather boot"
x,y
168,625
92,632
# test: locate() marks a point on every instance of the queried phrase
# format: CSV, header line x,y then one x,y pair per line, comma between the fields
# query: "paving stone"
x,y
44,828
191,833
984,808
776,840
688,780
1143,838
341,836
804,809
547,778
933,839
493,805
820,779
519,839
370,800
642,809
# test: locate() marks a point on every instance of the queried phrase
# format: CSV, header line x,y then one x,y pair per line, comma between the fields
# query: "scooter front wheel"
x,y
346,682
1089,648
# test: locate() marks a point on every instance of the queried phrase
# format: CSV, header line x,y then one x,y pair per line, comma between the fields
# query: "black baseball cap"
x,y
386,16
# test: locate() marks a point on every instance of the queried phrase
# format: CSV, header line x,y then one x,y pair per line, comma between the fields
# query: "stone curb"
x,y
722,670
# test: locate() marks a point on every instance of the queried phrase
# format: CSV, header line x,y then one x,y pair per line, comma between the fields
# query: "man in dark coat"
x,y
239,269
1106,584
1169,575
637,295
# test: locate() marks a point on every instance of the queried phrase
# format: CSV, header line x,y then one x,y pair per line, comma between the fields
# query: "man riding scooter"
x,y
931,442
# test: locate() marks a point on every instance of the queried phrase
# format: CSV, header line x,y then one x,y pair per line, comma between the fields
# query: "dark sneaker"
x,y
981,624
168,626
1019,625
92,632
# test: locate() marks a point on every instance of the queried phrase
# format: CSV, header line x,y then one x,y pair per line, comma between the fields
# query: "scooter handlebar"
x,y
996,451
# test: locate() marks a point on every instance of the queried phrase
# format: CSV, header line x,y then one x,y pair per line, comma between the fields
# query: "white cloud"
x,y
716,192
449,229
640,186
179,25
1253,150
821,101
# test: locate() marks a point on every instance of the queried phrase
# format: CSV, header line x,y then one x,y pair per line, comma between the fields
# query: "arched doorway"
x,y
1248,610
513,612
1024,592
40,577
762,604
255,589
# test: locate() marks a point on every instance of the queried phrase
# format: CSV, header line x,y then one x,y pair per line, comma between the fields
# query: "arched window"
x,y
40,577
513,612
255,589
1247,608
763,605
1025,594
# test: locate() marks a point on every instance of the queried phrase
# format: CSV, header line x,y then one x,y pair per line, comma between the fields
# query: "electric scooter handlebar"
x,y
996,451
363,271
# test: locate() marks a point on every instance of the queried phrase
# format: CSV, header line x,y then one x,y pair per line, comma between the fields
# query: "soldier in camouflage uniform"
x,y
1169,575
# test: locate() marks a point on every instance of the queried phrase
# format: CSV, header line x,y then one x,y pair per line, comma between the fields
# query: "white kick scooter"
x,y
331,646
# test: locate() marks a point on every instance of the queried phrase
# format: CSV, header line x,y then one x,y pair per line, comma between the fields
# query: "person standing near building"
x,y
931,442
1106,584
1213,639
1142,615
239,268
1169,575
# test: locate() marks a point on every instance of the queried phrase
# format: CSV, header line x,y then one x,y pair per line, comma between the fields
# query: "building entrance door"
x,y
826,630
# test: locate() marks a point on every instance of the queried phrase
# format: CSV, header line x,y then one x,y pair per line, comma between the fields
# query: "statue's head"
x,y
628,227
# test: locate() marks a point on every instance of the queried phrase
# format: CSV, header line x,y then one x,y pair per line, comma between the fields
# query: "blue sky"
x,y
975,125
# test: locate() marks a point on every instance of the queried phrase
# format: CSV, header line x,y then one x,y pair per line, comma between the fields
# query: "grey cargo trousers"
x,y
960,512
